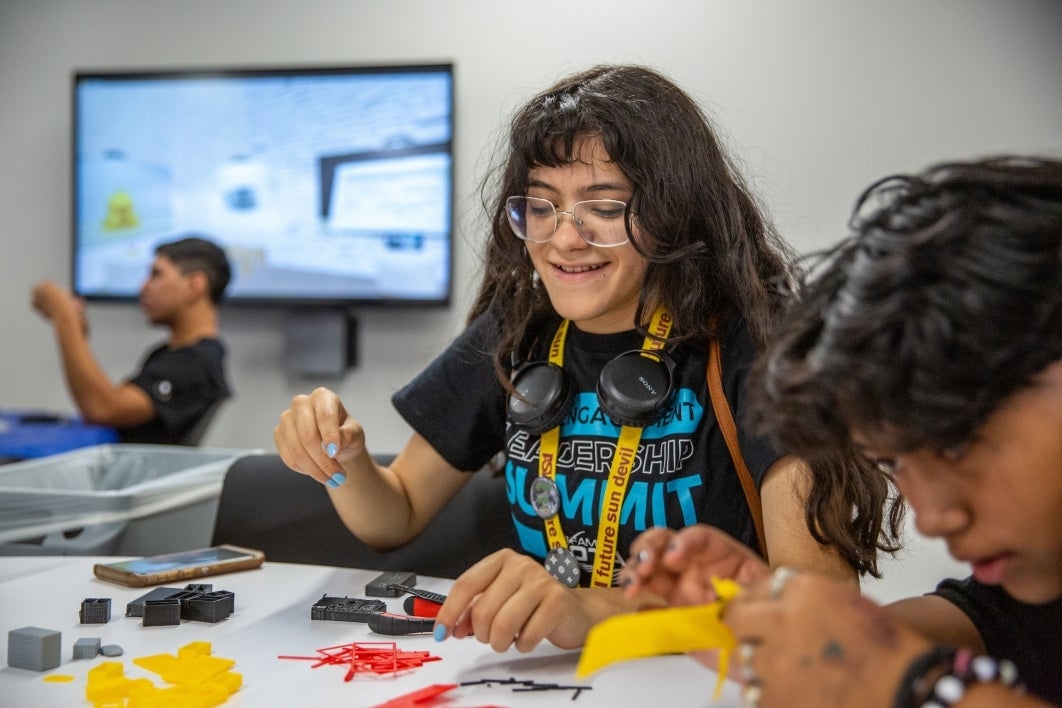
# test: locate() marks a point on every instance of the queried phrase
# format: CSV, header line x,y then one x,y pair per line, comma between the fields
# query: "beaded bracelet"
x,y
940,676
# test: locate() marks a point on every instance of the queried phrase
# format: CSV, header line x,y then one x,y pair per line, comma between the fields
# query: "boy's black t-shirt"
x,y
1028,635
183,385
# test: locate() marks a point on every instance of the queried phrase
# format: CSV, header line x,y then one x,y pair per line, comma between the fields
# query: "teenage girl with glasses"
x,y
623,244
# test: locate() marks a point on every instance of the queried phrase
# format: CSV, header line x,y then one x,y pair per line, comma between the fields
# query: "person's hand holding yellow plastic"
x,y
671,630
696,571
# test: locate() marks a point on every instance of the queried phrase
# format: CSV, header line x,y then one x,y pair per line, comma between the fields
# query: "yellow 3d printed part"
x,y
674,630
199,680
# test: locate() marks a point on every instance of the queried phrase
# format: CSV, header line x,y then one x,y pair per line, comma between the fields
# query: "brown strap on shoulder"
x,y
726,424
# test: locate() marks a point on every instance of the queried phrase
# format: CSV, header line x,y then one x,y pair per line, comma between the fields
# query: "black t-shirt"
x,y
183,385
683,473
1028,635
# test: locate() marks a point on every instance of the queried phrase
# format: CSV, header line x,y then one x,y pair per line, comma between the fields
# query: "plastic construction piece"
x,y
208,606
198,679
421,603
33,648
346,609
111,650
197,602
87,648
396,625
95,610
162,613
419,607
421,697
520,685
674,630
136,607
435,597
381,585
367,657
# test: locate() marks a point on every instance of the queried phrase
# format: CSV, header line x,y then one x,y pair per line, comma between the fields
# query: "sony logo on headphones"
x,y
648,386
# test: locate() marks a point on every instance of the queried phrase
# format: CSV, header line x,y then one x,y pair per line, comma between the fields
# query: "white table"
x,y
272,617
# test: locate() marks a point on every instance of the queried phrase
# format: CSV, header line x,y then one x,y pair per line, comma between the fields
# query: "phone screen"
x,y
181,559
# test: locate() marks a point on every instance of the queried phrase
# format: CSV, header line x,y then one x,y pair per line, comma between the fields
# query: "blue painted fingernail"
x,y
440,632
332,483
338,478
332,449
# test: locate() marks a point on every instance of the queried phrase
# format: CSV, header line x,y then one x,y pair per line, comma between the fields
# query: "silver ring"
x,y
779,578
745,652
751,694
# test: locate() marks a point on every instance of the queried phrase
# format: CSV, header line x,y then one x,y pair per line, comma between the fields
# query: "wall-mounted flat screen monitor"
x,y
328,185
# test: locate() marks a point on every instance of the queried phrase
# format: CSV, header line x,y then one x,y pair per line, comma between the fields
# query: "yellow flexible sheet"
x,y
673,630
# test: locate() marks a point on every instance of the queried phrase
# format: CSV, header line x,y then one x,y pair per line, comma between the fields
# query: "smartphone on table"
x,y
182,565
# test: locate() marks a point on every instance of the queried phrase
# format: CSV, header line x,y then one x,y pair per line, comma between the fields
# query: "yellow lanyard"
x,y
622,461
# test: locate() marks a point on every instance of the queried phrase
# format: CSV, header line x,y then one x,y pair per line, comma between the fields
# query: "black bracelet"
x,y
915,685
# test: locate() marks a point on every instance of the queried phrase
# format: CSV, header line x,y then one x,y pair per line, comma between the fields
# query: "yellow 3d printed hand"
x,y
674,630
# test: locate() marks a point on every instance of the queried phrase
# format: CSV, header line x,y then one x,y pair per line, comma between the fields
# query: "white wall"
x,y
818,98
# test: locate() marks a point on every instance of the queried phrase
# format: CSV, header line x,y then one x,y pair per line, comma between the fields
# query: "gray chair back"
x,y
290,517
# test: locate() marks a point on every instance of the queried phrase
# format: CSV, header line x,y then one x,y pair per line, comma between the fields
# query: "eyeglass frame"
x,y
575,222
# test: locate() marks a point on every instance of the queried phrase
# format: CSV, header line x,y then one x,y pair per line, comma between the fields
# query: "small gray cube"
x,y
87,648
33,648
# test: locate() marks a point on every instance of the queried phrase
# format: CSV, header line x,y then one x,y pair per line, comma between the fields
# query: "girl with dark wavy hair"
x,y
624,250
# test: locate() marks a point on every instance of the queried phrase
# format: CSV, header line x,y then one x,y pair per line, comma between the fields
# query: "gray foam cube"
x,y
87,648
33,648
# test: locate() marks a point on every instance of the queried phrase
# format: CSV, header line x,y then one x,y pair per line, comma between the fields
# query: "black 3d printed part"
x,y
381,585
346,609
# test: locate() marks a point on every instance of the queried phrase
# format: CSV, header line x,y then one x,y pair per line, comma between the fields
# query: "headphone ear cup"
x,y
635,387
542,399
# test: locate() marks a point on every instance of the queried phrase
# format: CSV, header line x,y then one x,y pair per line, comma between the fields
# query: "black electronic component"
x,y
394,625
380,586
346,609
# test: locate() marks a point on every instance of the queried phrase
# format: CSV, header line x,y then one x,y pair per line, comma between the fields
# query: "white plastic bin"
x,y
113,499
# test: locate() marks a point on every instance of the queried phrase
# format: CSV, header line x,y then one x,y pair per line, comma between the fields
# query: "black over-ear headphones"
x,y
633,389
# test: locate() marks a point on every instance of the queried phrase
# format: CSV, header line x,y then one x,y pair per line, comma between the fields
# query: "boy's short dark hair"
x,y
946,300
194,253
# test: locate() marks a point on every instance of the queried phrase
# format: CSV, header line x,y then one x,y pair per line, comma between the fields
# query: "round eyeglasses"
x,y
600,222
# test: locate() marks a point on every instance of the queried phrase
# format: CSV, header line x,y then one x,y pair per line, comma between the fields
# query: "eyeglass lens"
x,y
599,221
